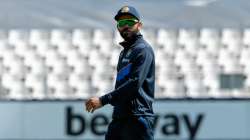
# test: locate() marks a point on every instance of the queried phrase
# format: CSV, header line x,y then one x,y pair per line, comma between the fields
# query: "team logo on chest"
x,y
126,58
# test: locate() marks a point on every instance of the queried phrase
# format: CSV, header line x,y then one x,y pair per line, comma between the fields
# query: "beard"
x,y
127,34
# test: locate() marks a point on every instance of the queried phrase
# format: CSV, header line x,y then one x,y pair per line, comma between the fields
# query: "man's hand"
x,y
92,104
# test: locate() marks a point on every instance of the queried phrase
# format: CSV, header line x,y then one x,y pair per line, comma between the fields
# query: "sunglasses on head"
x,y
129,22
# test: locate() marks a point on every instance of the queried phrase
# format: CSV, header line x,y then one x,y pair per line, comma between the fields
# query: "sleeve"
x,y
140,68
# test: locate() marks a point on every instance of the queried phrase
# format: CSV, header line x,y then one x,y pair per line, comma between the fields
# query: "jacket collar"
x,y
128,44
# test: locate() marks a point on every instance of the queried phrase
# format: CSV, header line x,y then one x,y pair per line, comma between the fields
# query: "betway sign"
x,y
174,119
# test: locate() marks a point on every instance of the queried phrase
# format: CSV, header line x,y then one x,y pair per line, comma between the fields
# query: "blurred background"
x,y
55,54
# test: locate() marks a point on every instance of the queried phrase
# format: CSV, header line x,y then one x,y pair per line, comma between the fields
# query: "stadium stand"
x,y
73,64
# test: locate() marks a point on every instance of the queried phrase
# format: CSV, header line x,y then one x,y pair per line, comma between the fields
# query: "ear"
x,y
139,25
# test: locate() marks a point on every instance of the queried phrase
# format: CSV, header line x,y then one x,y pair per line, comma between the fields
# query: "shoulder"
x,y
143,48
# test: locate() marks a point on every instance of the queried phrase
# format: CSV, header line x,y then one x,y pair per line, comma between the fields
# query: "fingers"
x,y
92,104
89,105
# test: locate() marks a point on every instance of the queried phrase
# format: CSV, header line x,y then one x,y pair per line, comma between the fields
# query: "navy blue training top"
x,y
135,81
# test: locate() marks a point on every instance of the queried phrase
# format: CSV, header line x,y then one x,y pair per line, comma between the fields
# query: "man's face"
x,y
128,26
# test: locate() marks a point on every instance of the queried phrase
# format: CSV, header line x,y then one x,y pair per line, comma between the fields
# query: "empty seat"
x,y
195,86
229,61
150,36
37,36
37,86
182,56
214,47
166,35
106,48
246,37
2,68
52,57
81,37
81,85
230,35
209,35
58,36
43,47
3,35
104,87
192,47
58,86
170,47
15,87
174,89
22,48
186,35
101,35
64,47
96,57
114,57
82,67
17,68
204,56
4,48
73,56
117,38
60,68
17,36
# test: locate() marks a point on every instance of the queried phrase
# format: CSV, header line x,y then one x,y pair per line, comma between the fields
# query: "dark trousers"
x,y
138,128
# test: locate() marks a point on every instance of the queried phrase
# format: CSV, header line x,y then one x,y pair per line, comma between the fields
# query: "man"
x,y
133,115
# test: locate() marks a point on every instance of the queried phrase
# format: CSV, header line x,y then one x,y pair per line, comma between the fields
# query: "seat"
x,y
192,47
100,36
99,75
195,86
81,37
170,47
235,47
104,87
17,36
246,37
166,35
4,48
114,57
189,67
60,68
214,47
58,86
64,47
37,36
244,56
81,85
62,90
117,38
203,56
73,56
82,67
174,89
182,56
229,61
22,48
43,47
209,35
3,36
106,48
15,87
2,68
58,36
150,36
96,57
36,83
230,35
52,57
17,68
186,35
